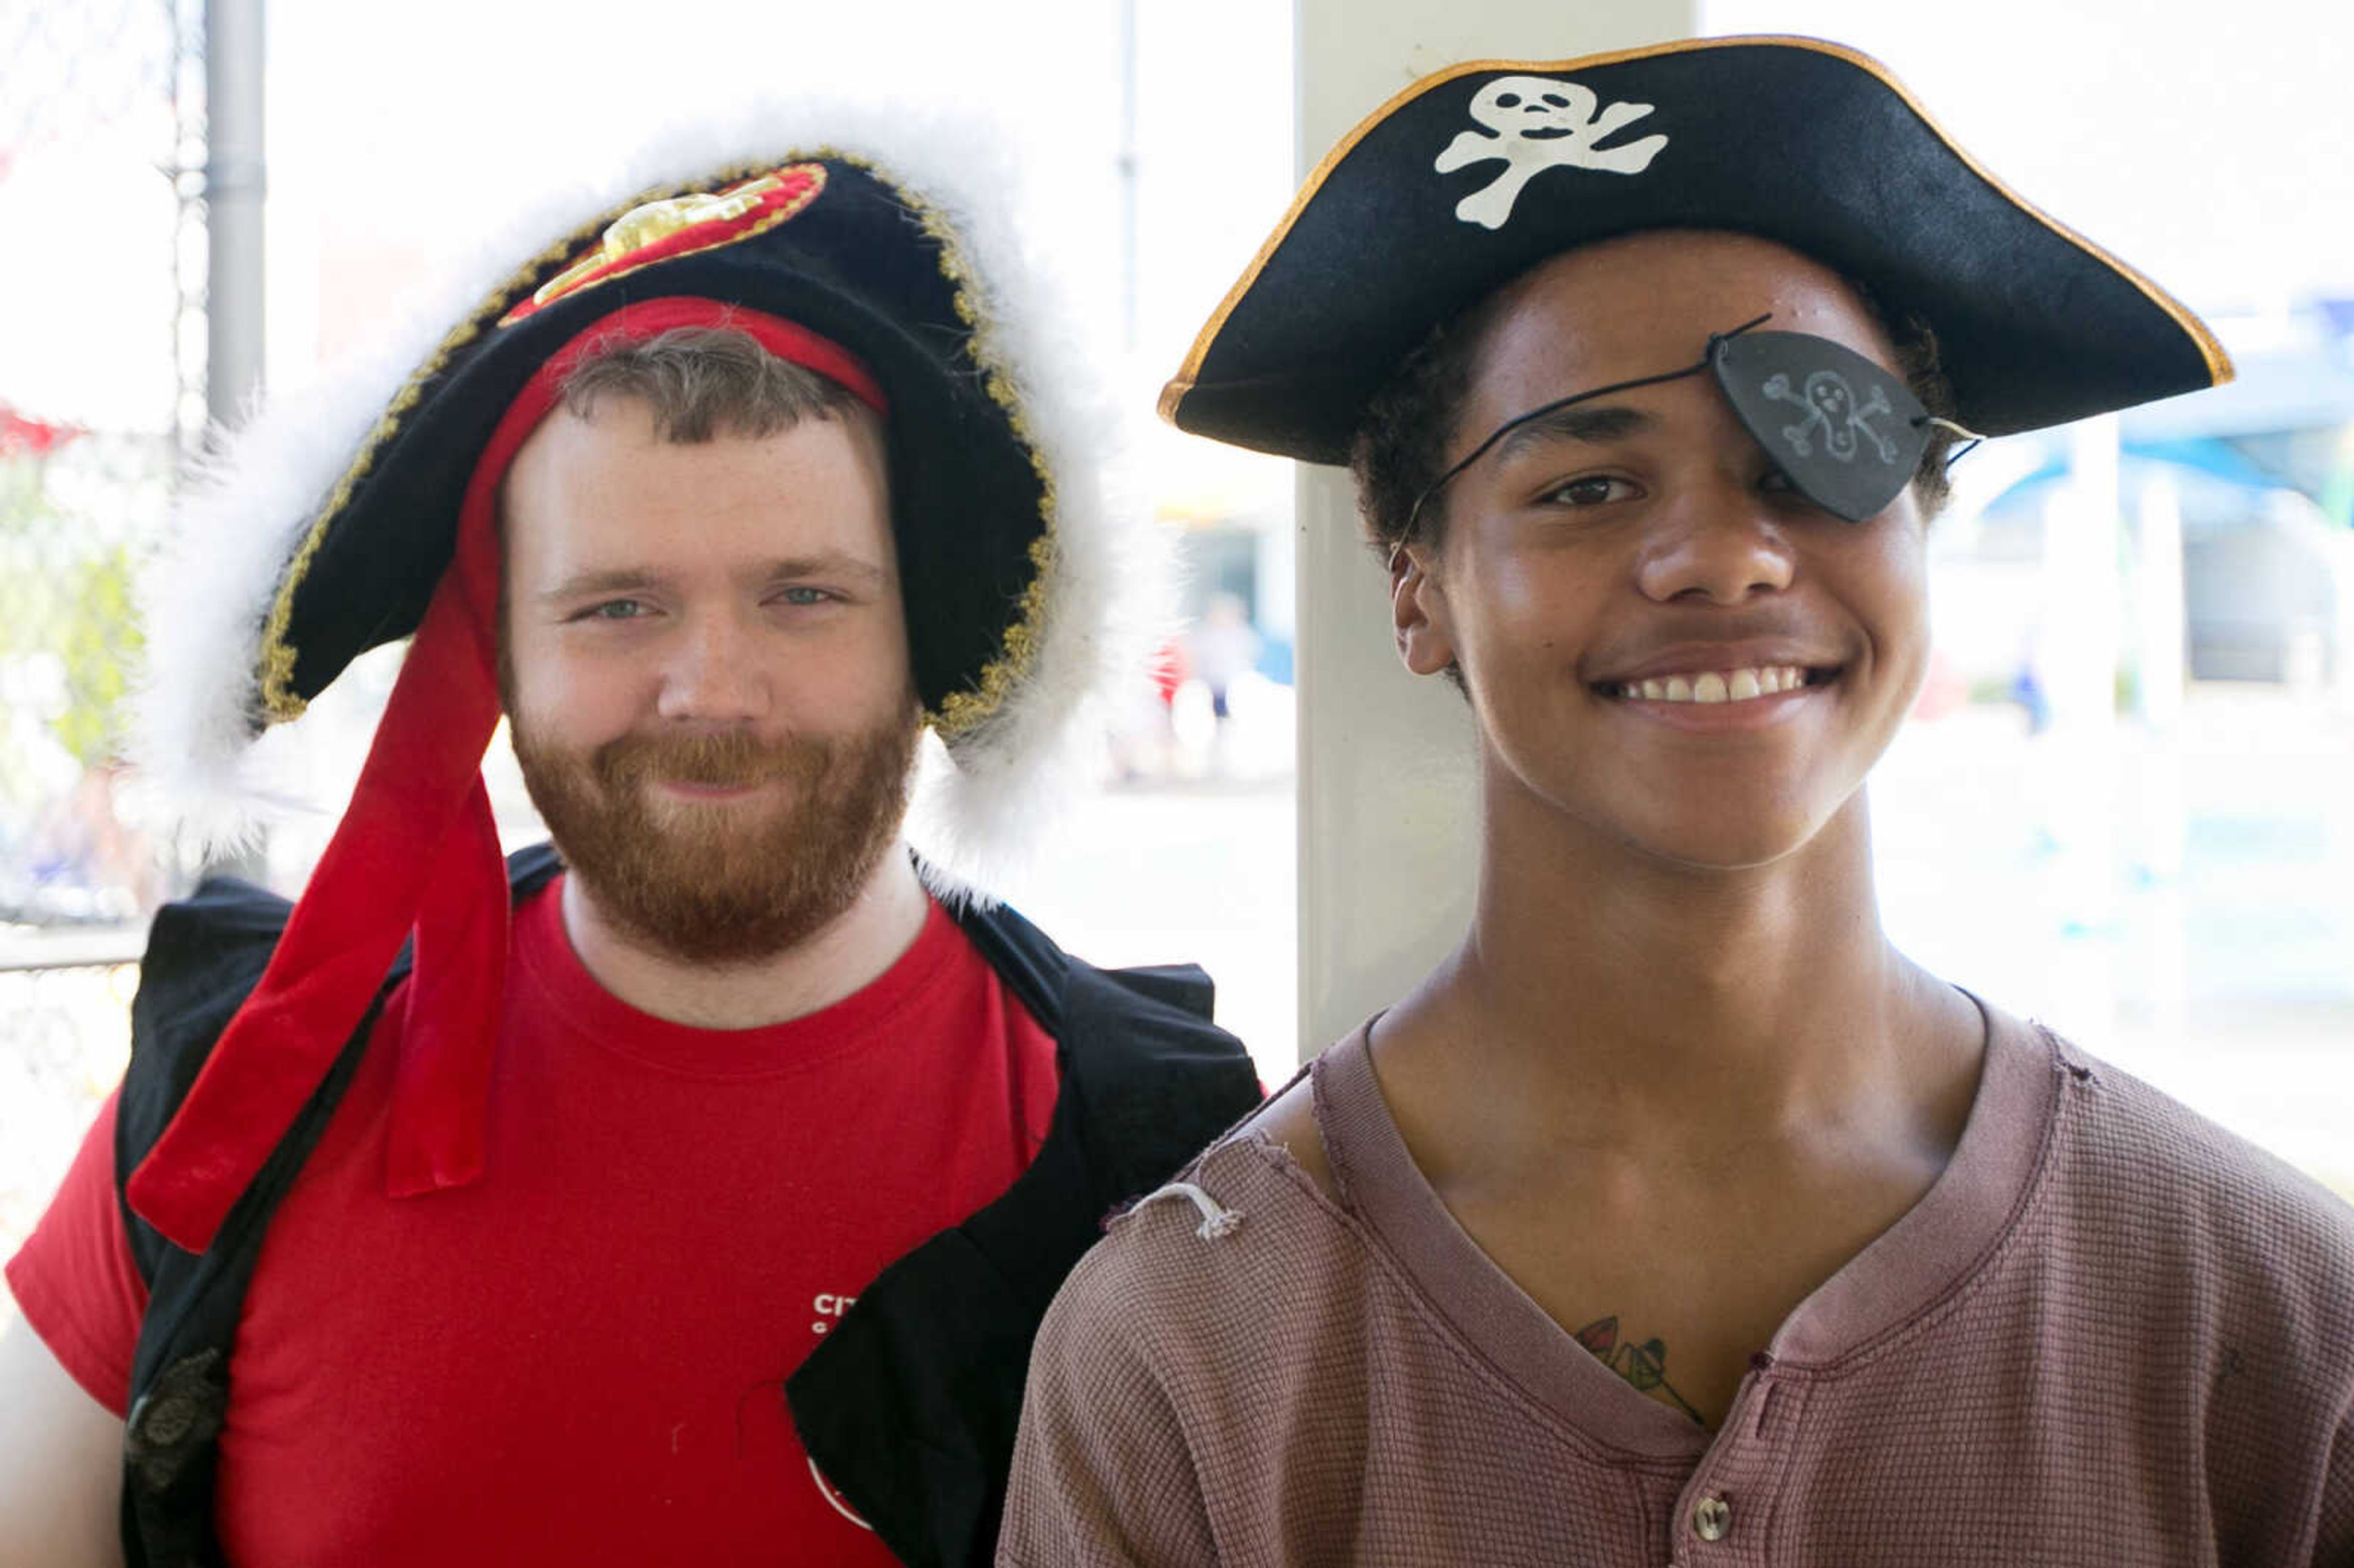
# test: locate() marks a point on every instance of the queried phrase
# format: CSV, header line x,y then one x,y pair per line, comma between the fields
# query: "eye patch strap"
x,y
1971,439
1715,342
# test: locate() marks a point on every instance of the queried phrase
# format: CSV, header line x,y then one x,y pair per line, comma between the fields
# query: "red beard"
x,y
725,882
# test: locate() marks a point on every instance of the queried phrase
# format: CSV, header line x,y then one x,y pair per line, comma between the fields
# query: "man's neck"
x,y
843,956
1618,1001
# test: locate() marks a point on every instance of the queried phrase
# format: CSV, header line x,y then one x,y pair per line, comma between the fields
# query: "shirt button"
x,y
1712,1517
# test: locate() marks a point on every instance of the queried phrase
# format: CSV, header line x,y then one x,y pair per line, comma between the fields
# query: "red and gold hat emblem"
x,y
680,225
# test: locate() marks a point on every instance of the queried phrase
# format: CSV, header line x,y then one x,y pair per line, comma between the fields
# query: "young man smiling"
x,y
691,1198
1678,1216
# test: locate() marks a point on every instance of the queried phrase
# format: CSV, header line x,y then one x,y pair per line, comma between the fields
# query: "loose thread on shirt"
x,y
1216,1221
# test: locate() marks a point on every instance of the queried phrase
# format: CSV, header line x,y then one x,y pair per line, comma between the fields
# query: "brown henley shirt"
x,y
2109,1333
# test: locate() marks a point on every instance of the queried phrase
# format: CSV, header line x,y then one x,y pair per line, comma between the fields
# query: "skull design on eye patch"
x,y
1849,434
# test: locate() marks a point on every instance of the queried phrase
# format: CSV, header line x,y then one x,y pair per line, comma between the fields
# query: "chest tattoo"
x,y
1644,1365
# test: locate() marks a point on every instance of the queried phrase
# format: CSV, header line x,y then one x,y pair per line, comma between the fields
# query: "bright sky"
x,y
523,100
2218,163
399,133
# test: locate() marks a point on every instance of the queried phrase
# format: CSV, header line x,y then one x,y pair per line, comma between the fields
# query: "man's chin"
x,y
704,848
701,911
719,829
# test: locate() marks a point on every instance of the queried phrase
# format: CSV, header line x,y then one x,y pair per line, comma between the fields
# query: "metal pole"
x,y
236,183
1129,257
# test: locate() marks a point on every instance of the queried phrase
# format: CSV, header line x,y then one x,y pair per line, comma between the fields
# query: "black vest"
x,y
908,1405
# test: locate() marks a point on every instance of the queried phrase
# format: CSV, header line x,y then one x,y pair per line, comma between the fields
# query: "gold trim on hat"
x,y
2219,364
959,712
275,672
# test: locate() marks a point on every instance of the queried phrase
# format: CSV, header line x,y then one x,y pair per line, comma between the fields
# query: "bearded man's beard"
x,y
723,881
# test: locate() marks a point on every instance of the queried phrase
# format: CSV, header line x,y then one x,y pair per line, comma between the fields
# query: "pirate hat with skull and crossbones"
x,y
1474,175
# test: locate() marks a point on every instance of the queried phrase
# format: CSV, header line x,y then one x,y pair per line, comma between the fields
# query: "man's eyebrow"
x,y
791,568
831,563
624,579
1579,422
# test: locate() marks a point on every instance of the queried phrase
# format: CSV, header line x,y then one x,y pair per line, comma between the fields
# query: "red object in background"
x,y
1169,671
22,437
1943,691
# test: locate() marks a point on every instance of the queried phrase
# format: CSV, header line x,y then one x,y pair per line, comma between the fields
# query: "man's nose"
x,y
711,674
1722,544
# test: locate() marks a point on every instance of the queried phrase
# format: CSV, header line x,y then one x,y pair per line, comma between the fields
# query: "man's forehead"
x,y
1642,304
607,493
619,444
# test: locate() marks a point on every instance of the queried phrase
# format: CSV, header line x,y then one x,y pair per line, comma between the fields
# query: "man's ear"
x,y
1418,613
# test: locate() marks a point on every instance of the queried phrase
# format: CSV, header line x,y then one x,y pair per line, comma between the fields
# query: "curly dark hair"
x,y
1401,446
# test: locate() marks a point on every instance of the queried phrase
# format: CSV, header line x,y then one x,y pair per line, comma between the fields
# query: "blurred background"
x,y
2123,802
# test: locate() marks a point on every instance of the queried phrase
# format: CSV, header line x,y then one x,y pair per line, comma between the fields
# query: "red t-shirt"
x,y
580,1357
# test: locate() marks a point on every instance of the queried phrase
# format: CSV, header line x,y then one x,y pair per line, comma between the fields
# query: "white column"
x,y
1387,848
2162,666
2083,643
2161,651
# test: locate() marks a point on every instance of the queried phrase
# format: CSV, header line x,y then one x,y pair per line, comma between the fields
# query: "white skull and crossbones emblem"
x,y
1541,124
1833,413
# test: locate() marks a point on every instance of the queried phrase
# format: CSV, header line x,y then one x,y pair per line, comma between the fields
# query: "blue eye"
x,y
798,595
616,610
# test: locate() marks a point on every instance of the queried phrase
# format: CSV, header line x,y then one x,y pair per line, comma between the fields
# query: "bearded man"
x,y
689,1192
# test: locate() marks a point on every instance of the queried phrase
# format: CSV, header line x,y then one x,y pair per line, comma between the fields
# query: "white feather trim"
x,y
243,517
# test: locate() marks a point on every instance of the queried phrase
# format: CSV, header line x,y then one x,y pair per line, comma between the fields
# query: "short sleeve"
x,y
74,1278
1102,1474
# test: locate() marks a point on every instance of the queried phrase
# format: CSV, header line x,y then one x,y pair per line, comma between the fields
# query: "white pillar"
x,y
2162,666
2079,559
1388,852
2161,635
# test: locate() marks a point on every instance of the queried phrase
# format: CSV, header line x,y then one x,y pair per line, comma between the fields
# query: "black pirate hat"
x,y
825,242
314,545
1473,175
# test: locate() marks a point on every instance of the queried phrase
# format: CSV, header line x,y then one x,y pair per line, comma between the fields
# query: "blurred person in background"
x,y
1224,647
690,1191
1678,1215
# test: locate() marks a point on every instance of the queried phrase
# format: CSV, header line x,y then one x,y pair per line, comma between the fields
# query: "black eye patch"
x,y
1849,434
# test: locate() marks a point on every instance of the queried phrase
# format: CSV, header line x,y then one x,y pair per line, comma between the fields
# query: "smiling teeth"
x,y
1731,686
